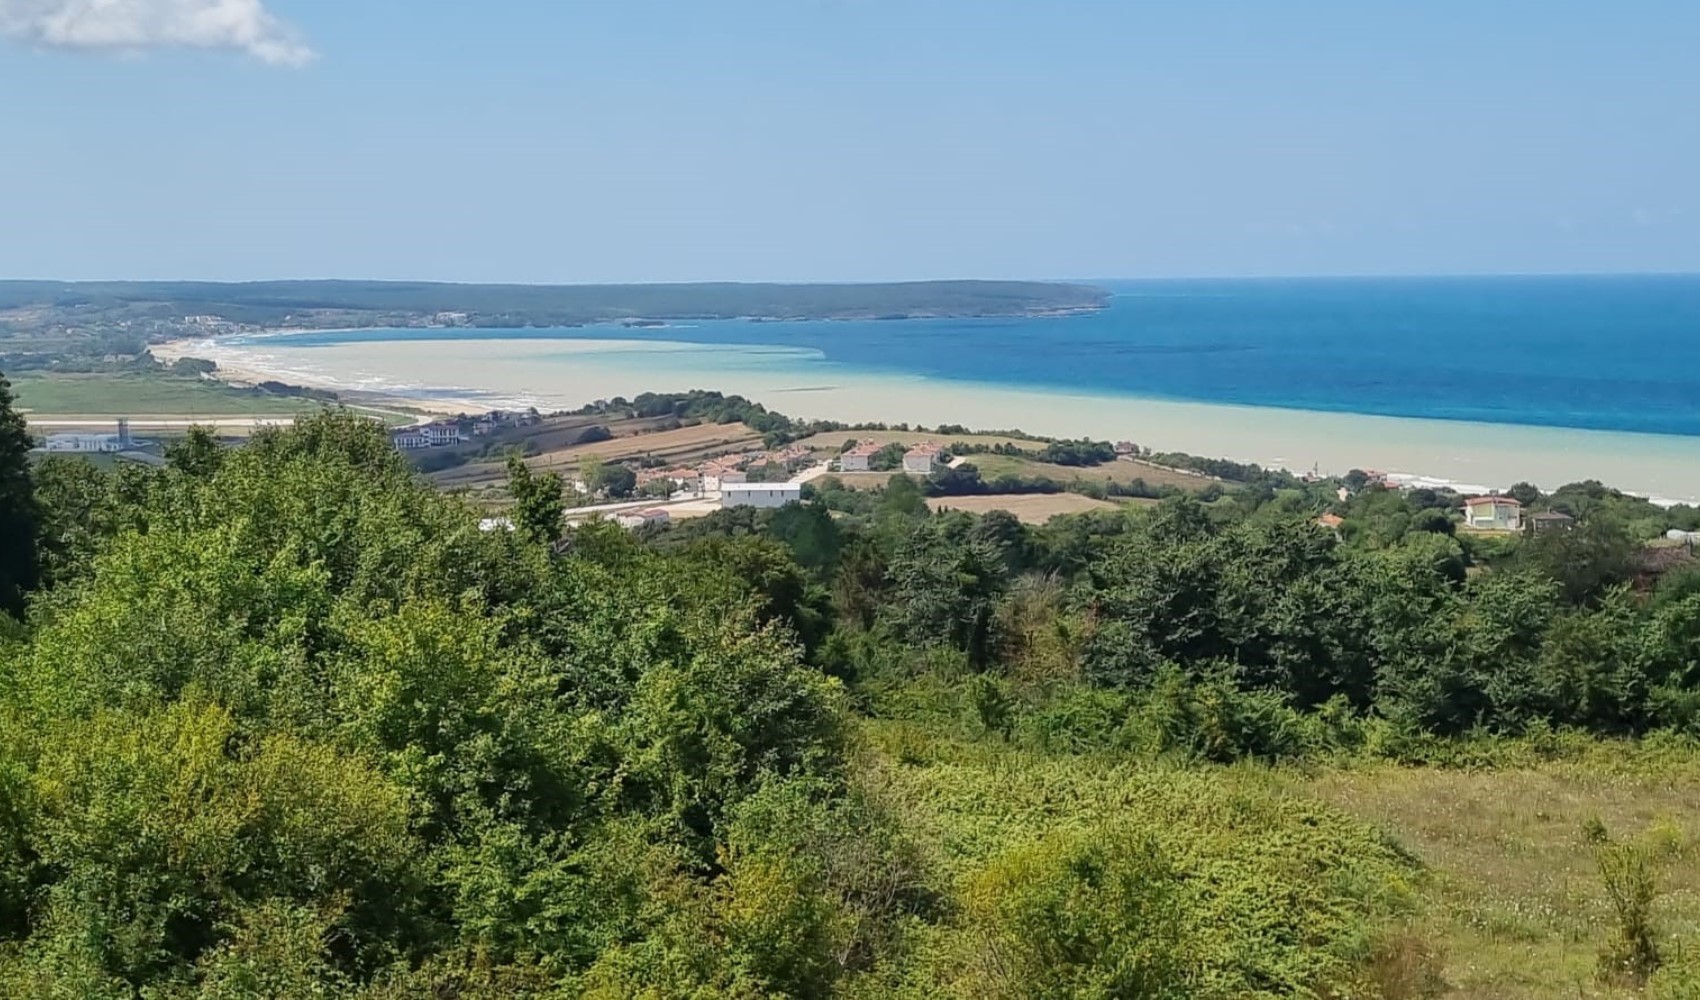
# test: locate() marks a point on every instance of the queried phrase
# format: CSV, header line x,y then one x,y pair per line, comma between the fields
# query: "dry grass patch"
x,y
672,445
1518,908
632,439
833,441
1029,508
993,466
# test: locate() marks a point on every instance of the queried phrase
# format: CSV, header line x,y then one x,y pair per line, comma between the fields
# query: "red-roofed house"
x,y
856,459
922,459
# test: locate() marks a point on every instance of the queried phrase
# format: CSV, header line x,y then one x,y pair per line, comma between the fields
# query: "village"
x,y
646,475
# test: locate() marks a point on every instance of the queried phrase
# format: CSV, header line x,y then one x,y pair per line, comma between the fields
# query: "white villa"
x,y
922,459
639,518
1493,514
856,459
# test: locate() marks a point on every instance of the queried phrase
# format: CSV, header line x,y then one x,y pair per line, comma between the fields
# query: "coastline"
x,y
238,369
470,375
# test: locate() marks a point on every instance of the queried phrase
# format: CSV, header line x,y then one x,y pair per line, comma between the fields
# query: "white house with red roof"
x,y
922,459
1493,514
857,458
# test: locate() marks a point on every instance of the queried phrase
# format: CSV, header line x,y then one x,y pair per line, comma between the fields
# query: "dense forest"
x,y
280,721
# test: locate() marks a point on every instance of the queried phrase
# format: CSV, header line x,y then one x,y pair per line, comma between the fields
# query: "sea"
x,y
1599,353
1475,383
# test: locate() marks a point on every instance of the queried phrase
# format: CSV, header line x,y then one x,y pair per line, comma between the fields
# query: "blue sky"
x,y
639,140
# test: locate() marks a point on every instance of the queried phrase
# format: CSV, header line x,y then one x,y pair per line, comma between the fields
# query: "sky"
x,y
846,140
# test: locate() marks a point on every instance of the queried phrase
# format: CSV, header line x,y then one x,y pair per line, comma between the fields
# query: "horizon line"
x,y
853,282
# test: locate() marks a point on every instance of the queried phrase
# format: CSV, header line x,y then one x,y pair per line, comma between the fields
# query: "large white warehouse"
x,y
760,494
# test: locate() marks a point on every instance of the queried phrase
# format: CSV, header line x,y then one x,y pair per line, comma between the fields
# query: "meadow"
x,y
144,394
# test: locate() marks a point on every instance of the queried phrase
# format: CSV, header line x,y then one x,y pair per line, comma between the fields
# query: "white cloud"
x,y
130,25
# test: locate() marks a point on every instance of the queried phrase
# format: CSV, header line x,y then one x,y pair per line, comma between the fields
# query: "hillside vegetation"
x,y
281,721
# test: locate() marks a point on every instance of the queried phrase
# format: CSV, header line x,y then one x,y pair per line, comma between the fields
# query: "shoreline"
x,y
236,372
472,375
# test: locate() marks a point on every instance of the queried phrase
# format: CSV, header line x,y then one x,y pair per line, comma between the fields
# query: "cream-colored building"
x,y
1493,514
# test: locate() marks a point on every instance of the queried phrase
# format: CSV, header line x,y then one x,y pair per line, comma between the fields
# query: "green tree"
x,y
902,498
538,502
945,584
19,514
618,481
198,453
1585,561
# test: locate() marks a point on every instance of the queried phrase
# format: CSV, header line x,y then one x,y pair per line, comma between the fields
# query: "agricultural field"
x,y
556,443
1030,508
993,466
833,441
131,394
679,446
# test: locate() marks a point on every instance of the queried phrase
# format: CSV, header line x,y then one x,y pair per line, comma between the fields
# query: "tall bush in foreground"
x,y
18,512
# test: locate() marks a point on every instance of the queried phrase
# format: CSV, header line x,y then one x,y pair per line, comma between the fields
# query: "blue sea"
x,y
1603,353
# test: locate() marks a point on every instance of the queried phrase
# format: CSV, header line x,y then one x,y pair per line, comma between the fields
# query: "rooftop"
x,y
1478,501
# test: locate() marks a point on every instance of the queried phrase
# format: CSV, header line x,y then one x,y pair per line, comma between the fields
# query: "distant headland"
x,y
174,308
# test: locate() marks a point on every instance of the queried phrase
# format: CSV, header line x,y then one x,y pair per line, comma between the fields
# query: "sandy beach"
x,y
474,374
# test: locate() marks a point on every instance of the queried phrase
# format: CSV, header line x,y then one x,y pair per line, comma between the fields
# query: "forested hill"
x,y
269,303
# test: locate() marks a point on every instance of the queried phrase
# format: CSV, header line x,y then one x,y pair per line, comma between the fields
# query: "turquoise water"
x,y
1607,353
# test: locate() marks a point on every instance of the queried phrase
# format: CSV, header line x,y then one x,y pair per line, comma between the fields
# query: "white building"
x,y
441,433
760,494
922,459
641,518
856,459
85,443
718,477
1493,514
410,439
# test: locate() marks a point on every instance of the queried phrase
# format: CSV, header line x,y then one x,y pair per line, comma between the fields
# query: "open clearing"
x,y
833,441
1030,508
680,445
633,439
69,396
1517,909
993,466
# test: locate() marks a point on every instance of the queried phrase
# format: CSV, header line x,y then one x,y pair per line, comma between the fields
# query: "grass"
x,y
993,466
1509,901
833,441
1516,907
632,439
134,394
1030,508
